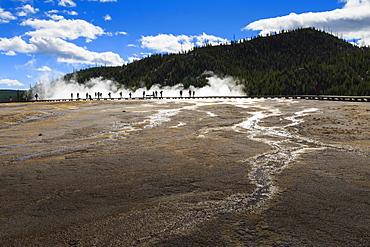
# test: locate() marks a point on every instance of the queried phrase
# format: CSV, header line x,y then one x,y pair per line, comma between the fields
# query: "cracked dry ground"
x,y
167,173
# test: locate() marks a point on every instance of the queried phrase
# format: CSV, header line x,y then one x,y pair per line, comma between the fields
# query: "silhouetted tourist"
x,y
109,94
143,94
129,94
193,94
317,88
87,95
72,96
180,93
78,96
120,94
161,93
189,93
36,96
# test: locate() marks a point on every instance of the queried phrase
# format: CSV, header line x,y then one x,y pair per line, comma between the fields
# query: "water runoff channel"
x,y
285,149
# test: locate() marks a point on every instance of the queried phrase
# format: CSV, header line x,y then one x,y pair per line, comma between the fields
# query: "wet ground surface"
x,y
185,173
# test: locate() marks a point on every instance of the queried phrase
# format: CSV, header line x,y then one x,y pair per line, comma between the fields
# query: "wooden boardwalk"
x,y
295,97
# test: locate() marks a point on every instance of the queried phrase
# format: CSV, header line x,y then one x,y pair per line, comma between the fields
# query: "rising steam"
x,y
60,89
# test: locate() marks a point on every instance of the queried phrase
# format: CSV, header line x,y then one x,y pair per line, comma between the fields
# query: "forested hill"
x,y
275,63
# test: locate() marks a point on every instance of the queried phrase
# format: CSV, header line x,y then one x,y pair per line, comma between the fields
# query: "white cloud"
x,y
167,43
63,50
6,16
26,9
55,17
173,44
16,44
53,11
120,33
107,18
71,53
70,12
49,37
209,39
9,53
352,21
66,29
10,83
53,14
44,68
133,59
66,3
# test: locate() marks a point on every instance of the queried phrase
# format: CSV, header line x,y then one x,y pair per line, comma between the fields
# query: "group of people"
x,y
190,93
154,94
99,95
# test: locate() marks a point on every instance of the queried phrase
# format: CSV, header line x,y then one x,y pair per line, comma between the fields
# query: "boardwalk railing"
x,y
299,97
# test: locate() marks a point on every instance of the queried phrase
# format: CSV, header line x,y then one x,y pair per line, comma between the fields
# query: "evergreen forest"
x,y
274,65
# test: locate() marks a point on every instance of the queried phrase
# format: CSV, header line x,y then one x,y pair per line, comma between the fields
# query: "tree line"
x,y
275,65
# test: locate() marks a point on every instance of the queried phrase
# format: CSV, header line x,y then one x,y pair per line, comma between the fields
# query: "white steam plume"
x,y
60,89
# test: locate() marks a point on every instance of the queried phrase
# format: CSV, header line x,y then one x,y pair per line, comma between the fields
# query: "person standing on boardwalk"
x,y
71,96
180,93
317,88
161,93
109,94
189,93
129,94
36,96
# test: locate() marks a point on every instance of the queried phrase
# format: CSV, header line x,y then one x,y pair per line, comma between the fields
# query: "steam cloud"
x,y
60,89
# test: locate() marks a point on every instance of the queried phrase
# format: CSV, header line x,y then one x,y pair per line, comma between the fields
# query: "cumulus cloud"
x,y
352,21
49,38
54,14
9,53
26,9
70,12
16,44
66,3
173,44
71,53
120,33
107,18
6,16
44,68
10,82
66,29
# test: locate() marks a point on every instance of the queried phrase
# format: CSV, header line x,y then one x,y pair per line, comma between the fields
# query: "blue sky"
x,y
41,40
